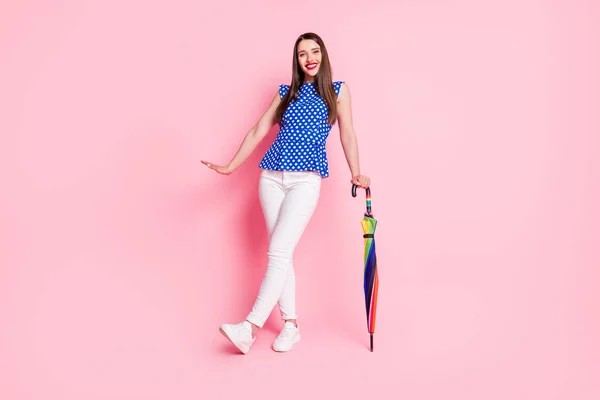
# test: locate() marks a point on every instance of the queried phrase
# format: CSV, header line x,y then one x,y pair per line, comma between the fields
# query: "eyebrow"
x,y
314,48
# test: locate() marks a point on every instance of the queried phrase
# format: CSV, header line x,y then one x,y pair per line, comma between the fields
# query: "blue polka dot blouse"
x,y
300,143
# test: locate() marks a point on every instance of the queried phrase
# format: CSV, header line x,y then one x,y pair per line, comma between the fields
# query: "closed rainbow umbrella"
x,y
371,277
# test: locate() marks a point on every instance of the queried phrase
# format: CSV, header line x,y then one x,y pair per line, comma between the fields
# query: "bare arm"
x,y
251,140
348,136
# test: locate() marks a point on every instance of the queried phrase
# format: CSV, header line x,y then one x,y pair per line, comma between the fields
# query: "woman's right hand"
x,y
251,140
224,170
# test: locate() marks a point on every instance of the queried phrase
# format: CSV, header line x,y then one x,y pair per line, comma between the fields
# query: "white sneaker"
x,y
239,334
288,337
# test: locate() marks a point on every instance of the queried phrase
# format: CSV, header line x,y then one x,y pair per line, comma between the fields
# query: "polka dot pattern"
x,y
300,143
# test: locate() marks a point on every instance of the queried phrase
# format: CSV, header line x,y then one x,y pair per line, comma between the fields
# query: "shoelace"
x,y
287,331
243,330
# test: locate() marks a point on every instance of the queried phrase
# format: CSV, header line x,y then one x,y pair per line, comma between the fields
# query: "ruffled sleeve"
x,y
337,86
283,89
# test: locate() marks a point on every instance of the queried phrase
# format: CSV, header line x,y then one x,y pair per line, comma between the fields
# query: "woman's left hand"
x,y
362,181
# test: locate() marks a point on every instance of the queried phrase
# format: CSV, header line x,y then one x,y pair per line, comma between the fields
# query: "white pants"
x,y
288,200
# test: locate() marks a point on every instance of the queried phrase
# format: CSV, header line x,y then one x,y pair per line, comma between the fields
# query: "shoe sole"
x,y
294,342
240,347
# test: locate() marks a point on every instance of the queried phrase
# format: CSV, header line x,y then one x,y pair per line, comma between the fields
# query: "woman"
x,y
290,181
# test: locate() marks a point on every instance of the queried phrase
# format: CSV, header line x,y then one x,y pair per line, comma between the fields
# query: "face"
x,y
309,57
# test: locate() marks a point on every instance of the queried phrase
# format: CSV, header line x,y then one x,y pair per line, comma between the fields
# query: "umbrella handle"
x,y
368,194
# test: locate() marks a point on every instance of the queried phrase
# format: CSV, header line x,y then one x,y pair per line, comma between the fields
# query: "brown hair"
x,y
323,83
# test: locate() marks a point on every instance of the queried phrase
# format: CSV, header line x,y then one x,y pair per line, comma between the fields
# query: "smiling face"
x,y
309,58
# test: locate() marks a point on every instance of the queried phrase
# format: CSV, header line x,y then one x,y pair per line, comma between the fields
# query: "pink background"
x,y
121,254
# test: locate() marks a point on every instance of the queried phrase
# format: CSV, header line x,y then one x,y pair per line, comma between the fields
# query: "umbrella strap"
x,y
369,236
